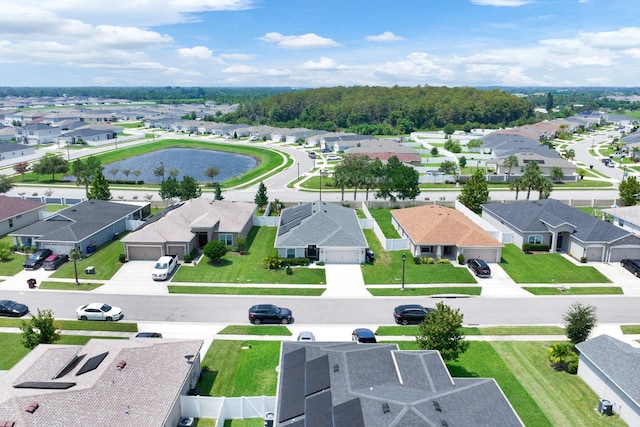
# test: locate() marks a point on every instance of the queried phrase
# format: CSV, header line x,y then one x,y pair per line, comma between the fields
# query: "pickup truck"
x,y
164,267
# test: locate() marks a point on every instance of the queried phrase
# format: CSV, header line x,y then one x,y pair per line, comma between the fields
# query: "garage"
x,y
179,250
619,253
342,256
594,253
487,254
143,253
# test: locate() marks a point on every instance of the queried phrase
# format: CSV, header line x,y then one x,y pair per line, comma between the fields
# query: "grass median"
x,y
409,291
412,330
221,290
579,290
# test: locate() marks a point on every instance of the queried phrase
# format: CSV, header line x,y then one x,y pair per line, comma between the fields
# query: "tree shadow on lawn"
x,y
206,381
458,371
219,263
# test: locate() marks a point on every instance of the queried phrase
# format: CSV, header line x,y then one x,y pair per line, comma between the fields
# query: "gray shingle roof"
x,y
324,225
380,385
530,216
615,359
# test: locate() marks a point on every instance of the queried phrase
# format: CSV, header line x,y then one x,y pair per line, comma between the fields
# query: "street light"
x,y
404,258
321,173
298,170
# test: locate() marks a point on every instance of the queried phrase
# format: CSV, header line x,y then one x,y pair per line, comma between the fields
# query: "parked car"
x,y
54,261
36,259
333,157
326,150
411,313
148,335
312,155
479,267
98,311
363,335
12,309
269,313
633,265
306,336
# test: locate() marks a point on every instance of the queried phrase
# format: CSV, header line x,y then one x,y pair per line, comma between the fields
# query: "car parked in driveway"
x,y
98,311
36,259
306,336
363,336
11,308
52,262
411,313
633,265
479,267
269,313
333,157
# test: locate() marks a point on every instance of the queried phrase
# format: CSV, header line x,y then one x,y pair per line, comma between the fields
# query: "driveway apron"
x,y
344,281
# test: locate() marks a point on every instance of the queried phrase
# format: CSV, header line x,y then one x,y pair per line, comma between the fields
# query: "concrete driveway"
x,y
134,277
344,280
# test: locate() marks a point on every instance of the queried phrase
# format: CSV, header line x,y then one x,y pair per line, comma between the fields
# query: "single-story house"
x,y
610,367
16,213
384,149
440,232
7,133
102,383
563,228
569,169
11,150
85,226
190,225
321,231
378,385
627,217
87,136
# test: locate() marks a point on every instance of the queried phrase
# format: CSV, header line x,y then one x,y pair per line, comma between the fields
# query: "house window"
x,y
536,239
10,222
227,239
621,222
291,253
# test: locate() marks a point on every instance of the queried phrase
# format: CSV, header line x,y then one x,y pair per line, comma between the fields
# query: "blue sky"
x,y
303,43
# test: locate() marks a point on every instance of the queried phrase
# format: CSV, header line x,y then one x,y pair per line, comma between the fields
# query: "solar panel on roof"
x,y
317,375
72,364
45,385
348,414
318,410
92,363
292,385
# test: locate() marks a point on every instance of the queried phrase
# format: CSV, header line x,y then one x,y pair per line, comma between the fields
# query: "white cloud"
x,y
304,41
323,63
501,3
387,36
196,52
241,69
237,56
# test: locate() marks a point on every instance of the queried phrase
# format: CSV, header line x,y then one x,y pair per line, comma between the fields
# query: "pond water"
x,y
188,161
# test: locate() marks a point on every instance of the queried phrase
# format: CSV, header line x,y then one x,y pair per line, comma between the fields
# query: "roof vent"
x,y
385,408
443,423
336,368
121,364
436,406
32,407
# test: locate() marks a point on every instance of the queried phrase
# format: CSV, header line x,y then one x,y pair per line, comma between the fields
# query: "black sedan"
x,y
12,308
479,267
633,265
410,313
269,313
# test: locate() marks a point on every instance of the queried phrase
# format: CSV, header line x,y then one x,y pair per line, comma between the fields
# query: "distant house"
x,y
563,228
610,367
378,385
37,133
87,136
85,226
321,231
384,149
441,232
16,213
190,225
106,382
11,150
627,217
546,164
7,133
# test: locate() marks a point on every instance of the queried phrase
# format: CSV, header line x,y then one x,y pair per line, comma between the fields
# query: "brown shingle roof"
x,y
12,206
438,225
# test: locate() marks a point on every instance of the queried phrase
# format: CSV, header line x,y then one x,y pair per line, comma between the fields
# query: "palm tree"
x,y
508,163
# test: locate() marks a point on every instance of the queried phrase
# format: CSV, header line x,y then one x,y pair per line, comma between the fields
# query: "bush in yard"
x,y
461,259
5,252
563,357
579,321
41,329
273,261
443,261
535,247
289,270
295,261
122,258
215,250
241,242
441,330
188,258
417,260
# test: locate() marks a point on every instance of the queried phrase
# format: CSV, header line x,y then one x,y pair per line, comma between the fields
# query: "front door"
x,y
312,253
559,243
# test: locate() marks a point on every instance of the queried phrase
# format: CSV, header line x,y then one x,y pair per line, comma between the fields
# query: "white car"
x,y
333,157
98,311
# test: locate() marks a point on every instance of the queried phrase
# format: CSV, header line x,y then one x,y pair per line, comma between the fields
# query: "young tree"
x,y
448,167
99,187
84,171
126,172
629,190
189,188
579,321
462,161
545,189
51,165
169,189
5,184
556,174
510,163
21,168
261,199
136,173
441,330
434,151
217,192
5,251
159,171
114,172
398,181
474,143
212,173
475,192
174,172
215,250
41,329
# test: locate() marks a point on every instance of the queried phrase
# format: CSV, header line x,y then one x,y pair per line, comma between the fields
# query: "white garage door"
x,y
345,256
618,254
489,255
594,253
144,253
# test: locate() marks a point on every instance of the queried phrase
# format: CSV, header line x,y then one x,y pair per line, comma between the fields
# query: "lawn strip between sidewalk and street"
x,y
236,290
276,330
412,330
576,290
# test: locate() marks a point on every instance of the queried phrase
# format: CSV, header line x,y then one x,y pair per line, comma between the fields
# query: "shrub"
x,y
562,357
122,258
241,242
320,263
289,270
273,261
535,247
295,261
188,258
443,261
214,250
583,259
417,260
461,259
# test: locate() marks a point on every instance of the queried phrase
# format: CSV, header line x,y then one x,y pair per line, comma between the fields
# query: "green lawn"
x,y
217,290
383,218
409,291
13,265
69,286
277,330
249,268
546,268
105,260
582,290
412,330
630,329
240,368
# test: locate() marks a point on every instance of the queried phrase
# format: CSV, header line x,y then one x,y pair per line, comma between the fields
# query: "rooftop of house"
x,y
13,206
